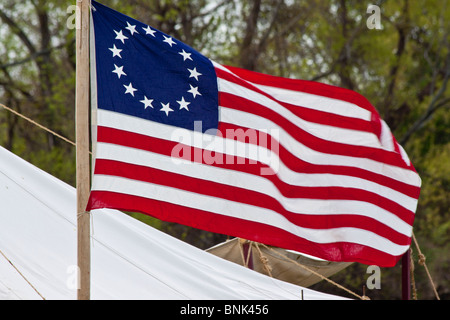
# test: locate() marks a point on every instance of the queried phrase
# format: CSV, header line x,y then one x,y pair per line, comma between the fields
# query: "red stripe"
x,y
300,166
164,147
322,117
339,251
214,189
315,88
315,116
309,140
311,87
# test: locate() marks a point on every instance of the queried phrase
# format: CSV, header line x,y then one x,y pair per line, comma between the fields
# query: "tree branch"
x,y
434,105
402,29
247,59
18,31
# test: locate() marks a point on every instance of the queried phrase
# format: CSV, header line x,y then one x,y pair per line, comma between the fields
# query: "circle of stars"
x,y
148,102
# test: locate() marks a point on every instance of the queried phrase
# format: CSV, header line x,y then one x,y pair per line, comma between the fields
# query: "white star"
x,y
183,104
116,52
194,91
132,28
120,36
149,31
194,73
147,102
166,108
130,89
185,55
168,40
119,71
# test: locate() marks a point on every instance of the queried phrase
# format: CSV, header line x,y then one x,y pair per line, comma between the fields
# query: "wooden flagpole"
x,y
82,148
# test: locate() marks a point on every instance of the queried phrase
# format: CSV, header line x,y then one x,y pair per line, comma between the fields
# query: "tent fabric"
x,y
282,263
129,259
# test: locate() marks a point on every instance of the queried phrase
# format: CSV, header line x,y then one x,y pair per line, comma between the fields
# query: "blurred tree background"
x,y
403,68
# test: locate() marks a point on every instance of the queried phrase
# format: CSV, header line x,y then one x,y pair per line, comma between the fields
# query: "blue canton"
x,y
145,73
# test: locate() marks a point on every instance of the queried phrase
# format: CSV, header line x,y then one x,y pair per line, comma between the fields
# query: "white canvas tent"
x,y
130,260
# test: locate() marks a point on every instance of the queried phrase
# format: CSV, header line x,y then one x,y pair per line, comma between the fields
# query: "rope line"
x,y
316,273
55,134
413,281
18,271
39,125
264,261
422,259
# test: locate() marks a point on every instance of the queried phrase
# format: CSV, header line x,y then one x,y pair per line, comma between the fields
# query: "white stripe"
x,y
326,132
284,173
311,101
258,184
307,154
196,139
245,212
315,102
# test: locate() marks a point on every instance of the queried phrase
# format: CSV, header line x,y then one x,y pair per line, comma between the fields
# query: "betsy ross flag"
x,y
295,164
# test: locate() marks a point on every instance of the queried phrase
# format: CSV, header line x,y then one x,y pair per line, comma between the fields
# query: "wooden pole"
x,y
406,275
248,255
82,148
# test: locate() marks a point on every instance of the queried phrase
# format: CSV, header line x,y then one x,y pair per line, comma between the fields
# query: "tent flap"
x,y
279,263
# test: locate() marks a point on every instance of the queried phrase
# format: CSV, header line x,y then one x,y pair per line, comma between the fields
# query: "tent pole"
x,y
406,275
248,254
82,148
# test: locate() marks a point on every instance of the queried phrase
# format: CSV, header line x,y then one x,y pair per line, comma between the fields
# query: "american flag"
x,y
290,163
